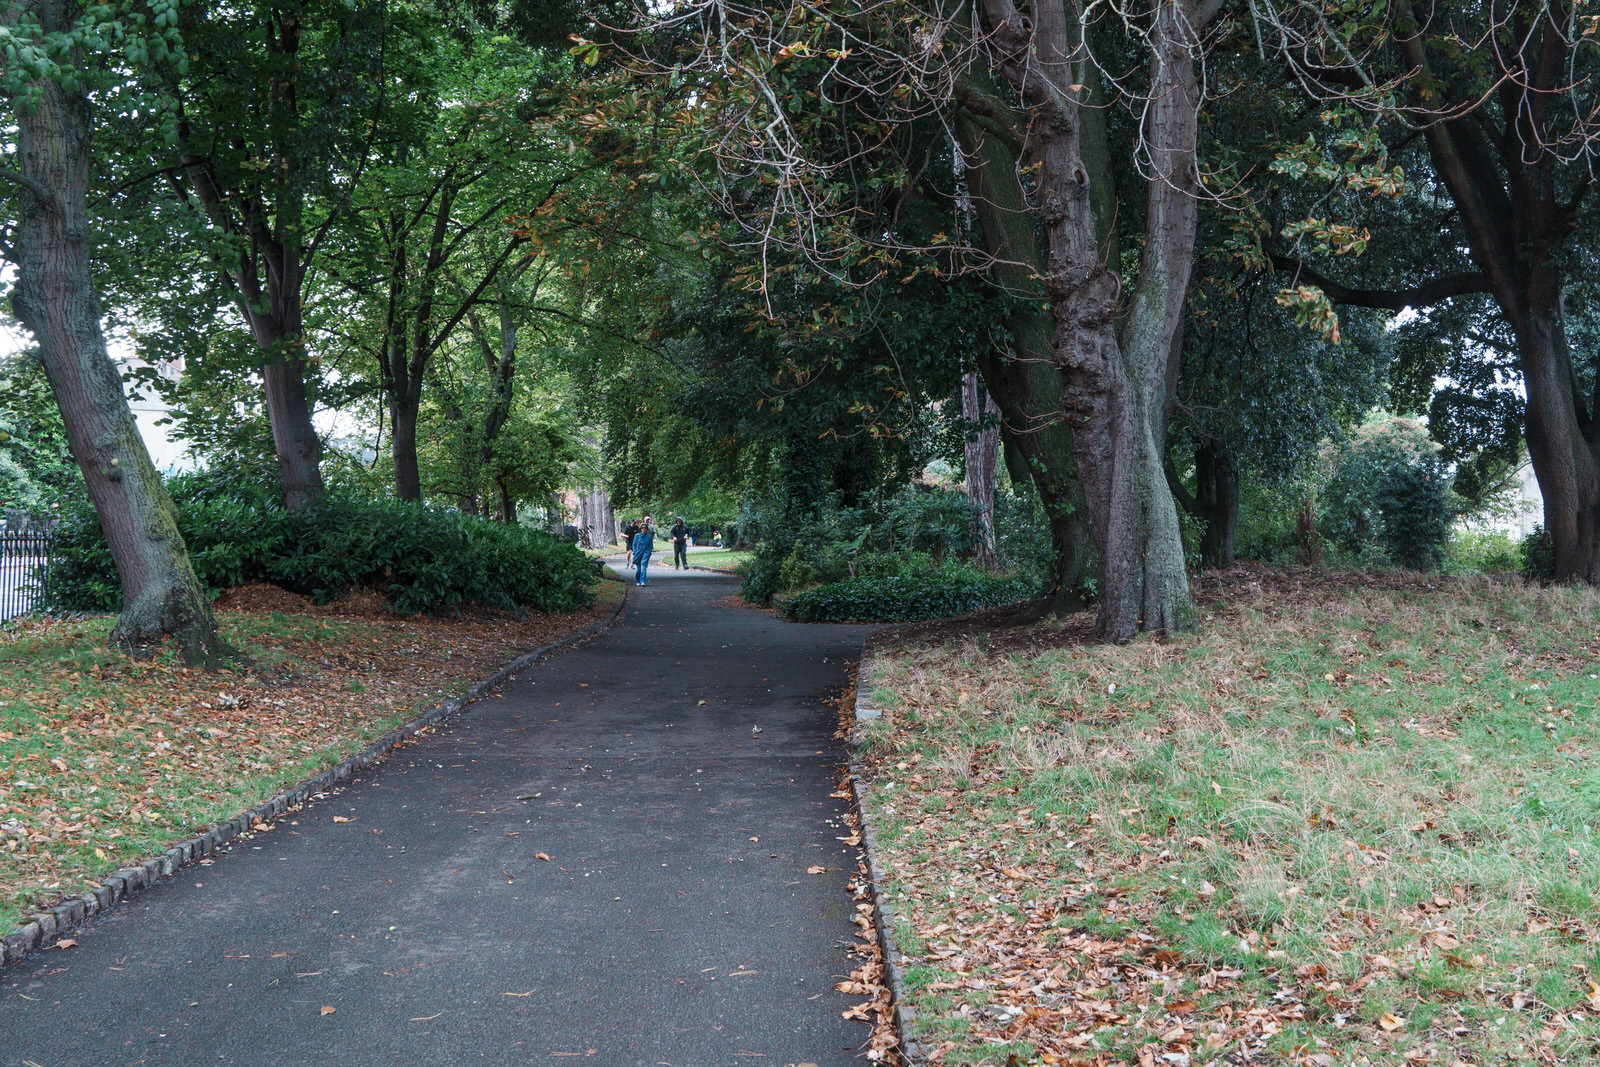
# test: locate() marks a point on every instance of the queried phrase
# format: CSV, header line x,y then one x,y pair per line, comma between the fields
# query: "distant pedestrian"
x,y
644,543
628,532
680,545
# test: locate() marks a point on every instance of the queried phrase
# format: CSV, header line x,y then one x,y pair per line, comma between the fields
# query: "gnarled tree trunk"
x,y
54,297
1115,379
1023,380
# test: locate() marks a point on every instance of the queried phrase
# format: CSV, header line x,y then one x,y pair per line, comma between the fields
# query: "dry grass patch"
x,y
105,760
1351,824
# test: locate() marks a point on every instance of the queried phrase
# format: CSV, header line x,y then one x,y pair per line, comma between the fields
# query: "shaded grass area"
x,y
718,559
106,760
1353,827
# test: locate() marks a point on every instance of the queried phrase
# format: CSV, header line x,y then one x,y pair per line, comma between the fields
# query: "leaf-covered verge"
x,y
1346,824
106,760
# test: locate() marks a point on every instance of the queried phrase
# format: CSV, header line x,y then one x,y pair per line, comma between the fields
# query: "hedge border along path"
x,y
883,915
39,928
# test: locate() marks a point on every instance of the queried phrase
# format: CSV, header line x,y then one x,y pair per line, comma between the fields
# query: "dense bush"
x,y
1487,551
421,559
1266,528
908,535
1538,554
1389,498
952,589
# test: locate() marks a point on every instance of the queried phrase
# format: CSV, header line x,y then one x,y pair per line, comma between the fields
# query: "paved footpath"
x,y
673,923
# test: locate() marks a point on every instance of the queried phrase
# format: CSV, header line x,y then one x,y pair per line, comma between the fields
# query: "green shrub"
x,y
1022,531
1489,552
422,559
1538,553
797,570
953,589
1389,498
883,565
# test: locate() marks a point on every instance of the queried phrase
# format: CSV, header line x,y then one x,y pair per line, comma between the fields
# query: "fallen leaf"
x,y
340,818
813,869
541,856
1594,995
1016,873
1390,1021
67,942
529,993
327,1009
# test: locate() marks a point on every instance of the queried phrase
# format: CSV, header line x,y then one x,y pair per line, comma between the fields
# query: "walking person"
x,y
628,533
680,545
644,543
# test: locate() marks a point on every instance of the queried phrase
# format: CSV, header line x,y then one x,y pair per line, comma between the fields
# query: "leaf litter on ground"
x,y
1350,820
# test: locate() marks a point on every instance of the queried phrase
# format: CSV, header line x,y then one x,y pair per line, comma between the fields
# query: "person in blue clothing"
x,y
644,543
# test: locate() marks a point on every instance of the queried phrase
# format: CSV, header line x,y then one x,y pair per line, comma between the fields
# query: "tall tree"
x,y
273,120
48,83
884,71
1502,95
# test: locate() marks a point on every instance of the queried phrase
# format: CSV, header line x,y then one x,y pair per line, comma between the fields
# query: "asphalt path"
x,y
673,923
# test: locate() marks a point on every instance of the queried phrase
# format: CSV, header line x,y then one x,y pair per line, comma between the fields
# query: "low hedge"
x,y
423,559
950,590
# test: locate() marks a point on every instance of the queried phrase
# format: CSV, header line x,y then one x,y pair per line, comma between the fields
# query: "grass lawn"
x,y
105,760
1350,820
720,559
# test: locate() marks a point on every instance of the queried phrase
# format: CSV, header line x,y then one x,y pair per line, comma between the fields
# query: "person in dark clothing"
x,y
680,545
628,532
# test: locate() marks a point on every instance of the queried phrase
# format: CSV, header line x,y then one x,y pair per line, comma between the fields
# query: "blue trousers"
x,y
642,565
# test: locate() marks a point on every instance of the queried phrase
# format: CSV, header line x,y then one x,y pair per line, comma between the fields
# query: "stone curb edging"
x,y
883,916
40,927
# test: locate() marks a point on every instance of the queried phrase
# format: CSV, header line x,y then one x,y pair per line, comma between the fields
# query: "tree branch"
x,y
37,188
1420,296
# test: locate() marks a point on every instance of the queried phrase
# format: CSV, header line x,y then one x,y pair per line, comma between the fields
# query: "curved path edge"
x,y
883,915
40,927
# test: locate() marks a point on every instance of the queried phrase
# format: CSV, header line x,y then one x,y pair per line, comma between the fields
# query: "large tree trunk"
x,y
294,436
403,407
1115,383
982,440
1563,454
54,297
1023,381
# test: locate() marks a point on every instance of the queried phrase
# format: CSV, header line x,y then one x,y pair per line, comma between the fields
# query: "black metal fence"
x,y
22,553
